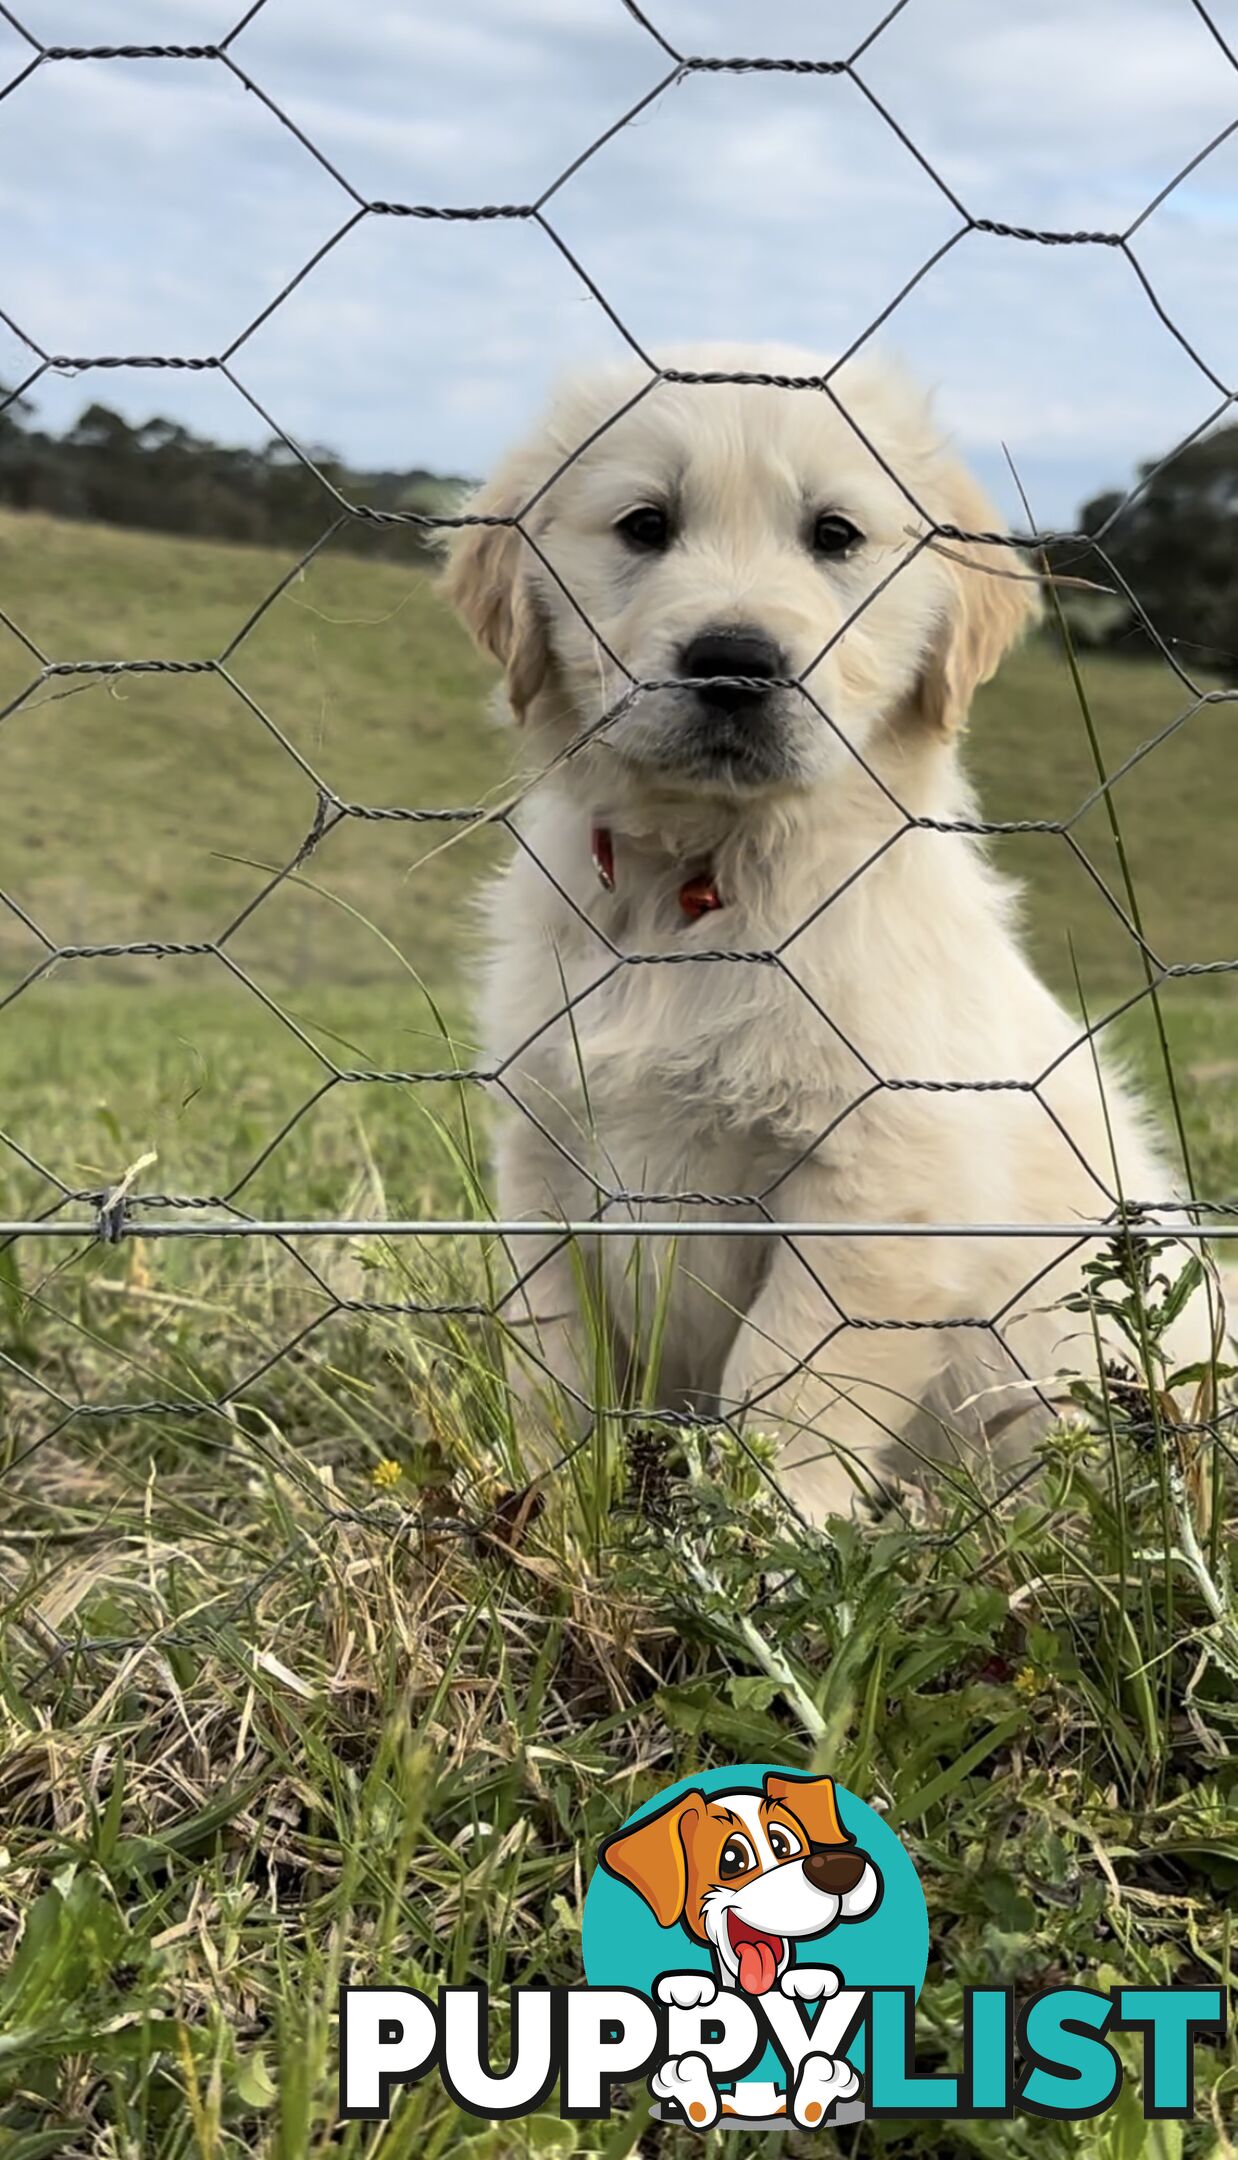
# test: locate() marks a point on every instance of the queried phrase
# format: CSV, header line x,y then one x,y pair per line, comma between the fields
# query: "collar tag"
x,y
699,896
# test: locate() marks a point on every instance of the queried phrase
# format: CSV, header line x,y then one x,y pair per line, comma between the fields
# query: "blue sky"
x,y
156,206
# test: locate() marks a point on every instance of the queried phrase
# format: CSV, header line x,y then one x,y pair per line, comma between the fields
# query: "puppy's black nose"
x,y
727,653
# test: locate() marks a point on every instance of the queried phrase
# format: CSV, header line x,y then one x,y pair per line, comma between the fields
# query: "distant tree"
x,y
15,412
1176,546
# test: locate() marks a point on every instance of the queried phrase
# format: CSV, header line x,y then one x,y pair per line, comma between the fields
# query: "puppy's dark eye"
x,y
834,535
737,1858
647,528
783,1843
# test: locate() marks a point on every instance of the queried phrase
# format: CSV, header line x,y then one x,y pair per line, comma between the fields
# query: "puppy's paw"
x,y
688,1990
823,2080
810,1983
687,2080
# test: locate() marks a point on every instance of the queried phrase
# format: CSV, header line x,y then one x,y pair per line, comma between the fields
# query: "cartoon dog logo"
x,y
750,1875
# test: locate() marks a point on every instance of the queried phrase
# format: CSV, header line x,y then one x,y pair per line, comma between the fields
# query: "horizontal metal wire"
x,y
490,1226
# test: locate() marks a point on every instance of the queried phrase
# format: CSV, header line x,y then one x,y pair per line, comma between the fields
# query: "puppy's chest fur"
x,y
688,1049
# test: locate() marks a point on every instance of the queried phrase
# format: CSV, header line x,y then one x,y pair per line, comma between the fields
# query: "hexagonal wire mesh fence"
x,y
80,1217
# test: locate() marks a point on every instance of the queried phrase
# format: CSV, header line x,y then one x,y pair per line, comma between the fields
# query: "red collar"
x,y
698,895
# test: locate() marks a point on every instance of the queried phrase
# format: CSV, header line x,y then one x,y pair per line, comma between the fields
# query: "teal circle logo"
x,y
779,1889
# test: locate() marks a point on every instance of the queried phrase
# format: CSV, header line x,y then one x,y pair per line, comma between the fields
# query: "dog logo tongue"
x,y
757,1964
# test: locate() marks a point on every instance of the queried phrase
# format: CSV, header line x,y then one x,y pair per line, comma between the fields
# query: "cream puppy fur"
x,y
720,530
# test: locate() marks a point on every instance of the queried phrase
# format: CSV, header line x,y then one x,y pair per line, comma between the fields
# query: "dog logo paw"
x,y
688,2082
688,1990
810,1983
822,2082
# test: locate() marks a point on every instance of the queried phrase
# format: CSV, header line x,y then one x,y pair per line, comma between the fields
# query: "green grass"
x,y
126,801
344,1725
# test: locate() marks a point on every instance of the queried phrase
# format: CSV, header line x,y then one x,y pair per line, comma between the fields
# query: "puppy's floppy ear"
x,y
989,609
814,1802
487,582
651,1859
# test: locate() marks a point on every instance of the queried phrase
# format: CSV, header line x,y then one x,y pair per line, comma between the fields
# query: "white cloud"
x,y
175,207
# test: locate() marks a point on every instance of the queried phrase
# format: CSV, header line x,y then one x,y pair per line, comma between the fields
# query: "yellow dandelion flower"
x,y
386,1474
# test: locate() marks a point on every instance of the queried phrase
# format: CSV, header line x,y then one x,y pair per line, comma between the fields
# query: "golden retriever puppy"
x,y
745,965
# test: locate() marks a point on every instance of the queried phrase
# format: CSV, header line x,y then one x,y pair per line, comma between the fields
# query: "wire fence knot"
x,y
111,1218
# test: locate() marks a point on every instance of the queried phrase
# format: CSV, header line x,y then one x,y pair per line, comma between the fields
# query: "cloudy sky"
x,y
159,207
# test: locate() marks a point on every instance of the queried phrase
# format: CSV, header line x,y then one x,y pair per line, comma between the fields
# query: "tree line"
x,y
160,477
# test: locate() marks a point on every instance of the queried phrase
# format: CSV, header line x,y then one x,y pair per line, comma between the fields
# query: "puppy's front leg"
x,y
837,1407
553,1303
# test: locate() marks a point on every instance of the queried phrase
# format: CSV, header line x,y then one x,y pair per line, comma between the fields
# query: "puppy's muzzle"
x,y
733,670
835,1869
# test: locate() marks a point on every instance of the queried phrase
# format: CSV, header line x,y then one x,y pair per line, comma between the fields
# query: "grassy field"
x,y
344,1720
152,808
